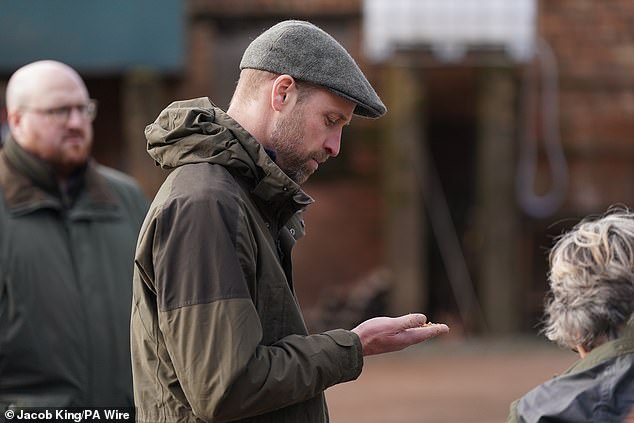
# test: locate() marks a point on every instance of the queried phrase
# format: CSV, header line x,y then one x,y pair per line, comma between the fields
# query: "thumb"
x,y
412,320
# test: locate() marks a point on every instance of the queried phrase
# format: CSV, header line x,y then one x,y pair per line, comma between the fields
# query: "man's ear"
x,y
283,92
14,119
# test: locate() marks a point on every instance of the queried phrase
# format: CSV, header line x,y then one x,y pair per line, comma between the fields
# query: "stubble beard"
x,y
72,156
286,139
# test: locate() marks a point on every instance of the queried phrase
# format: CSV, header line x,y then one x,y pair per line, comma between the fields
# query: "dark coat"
x,y
597,388
217,333
65,284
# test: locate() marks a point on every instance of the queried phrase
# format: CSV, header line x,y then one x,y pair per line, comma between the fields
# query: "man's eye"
x,y
60,111
330,122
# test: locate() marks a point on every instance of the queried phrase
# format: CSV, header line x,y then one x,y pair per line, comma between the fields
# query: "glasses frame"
x,y
61,114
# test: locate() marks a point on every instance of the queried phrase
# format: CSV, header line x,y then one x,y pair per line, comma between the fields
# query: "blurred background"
x,y
507,122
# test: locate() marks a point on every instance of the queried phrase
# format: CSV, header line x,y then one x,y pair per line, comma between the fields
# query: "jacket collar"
x,y
30,184
195,131
611,349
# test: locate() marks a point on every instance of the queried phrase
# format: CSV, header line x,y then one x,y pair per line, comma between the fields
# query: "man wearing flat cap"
x,y
217,334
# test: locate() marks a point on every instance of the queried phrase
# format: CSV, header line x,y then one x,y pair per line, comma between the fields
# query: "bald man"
x,y
68,228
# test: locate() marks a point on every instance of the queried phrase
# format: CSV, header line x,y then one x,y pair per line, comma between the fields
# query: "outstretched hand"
x,y
386,334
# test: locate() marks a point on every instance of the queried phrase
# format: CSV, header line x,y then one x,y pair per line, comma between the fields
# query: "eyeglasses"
x,y
61,114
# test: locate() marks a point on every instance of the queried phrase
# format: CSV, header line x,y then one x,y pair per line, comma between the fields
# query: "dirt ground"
x,y
456,381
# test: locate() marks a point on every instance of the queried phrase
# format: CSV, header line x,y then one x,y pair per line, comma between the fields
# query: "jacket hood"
x,y
196,131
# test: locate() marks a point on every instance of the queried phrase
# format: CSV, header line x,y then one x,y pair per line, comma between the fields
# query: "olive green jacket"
x,y
217,333
597,388
65,284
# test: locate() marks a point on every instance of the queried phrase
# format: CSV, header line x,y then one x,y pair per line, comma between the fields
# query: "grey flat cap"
x,y
308,53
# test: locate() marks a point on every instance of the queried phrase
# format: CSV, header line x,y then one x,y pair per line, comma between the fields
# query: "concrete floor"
x,y
455,381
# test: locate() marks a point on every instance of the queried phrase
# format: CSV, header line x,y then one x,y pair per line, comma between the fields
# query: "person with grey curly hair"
x,y
590,309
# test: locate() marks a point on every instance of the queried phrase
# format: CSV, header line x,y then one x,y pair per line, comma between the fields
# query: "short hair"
x,y
22,84
592,281
251,80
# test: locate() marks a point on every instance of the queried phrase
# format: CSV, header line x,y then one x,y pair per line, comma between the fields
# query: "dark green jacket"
x,y
217,334
65,284
597,388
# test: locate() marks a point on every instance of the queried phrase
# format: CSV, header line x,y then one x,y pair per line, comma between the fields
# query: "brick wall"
x,y
594,46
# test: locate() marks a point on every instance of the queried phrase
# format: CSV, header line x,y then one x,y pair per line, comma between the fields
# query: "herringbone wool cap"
x,y
308,53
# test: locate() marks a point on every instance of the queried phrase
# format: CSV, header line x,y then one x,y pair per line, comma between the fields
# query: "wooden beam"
x,y
404,216
497,213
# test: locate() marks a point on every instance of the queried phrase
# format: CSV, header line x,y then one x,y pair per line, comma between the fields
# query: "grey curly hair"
x,y
592,281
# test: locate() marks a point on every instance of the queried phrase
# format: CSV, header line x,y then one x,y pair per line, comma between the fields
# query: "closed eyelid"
x,y
344,119
338,118
330,121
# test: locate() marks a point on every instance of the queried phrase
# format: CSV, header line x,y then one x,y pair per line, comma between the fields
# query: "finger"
x,y
438,328
430,331
417,335
412,320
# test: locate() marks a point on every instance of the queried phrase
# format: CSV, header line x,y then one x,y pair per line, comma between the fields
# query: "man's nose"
x,y
333,144
76,117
